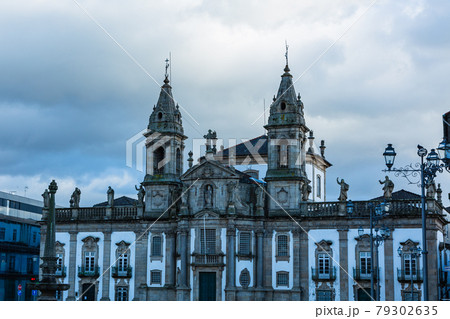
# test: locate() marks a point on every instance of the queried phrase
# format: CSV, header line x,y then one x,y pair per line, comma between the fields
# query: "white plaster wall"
x,y
64,238
79,259
117,237
315,236
401,235
242,264
156,264
283,265
223,237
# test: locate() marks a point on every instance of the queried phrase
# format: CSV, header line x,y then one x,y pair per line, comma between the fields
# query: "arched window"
x,y
283,154
158,158
319,186
178,162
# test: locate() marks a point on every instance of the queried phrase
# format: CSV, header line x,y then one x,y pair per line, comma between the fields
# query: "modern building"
x,y
19,245
214,232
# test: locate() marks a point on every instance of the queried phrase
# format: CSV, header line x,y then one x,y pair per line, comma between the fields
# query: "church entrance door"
x,y
207,286
88,292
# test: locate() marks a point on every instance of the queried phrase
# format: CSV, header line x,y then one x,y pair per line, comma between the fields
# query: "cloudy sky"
x,y
73,87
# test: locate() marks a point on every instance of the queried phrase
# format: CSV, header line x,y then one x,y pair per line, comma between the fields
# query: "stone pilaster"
x,y
268,234
170,259
140,267
72,271
231,263
296,290
106,266
183,289
389,278
304,265
343,263
433,262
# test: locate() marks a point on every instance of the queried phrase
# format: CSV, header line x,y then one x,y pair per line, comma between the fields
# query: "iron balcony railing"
x,y
88,272
208,259
360,274
407,275
121,272
61,271
323,274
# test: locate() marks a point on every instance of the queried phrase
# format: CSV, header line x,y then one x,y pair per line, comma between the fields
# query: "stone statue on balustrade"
x,y
46,197
388,187
344,189
140,195
75,198
306,190
431,190
110,196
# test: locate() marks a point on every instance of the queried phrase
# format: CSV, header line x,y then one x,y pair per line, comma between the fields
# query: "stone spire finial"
x,y
190,159
311,142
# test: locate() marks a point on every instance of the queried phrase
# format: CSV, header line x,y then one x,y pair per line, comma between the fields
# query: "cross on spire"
x,y
286,54
167,66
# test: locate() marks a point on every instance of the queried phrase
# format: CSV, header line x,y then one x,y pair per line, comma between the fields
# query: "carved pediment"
x,y
90,242
206,214
123,244
324,245
407,245
210,170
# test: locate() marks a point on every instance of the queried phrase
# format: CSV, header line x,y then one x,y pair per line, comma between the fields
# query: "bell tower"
x,y
164,153
286,176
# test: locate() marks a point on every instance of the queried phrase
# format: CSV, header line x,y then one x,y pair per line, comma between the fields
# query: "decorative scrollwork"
x,y
410,172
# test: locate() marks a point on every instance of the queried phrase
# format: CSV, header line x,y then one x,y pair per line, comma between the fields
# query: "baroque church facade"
x,y
213,232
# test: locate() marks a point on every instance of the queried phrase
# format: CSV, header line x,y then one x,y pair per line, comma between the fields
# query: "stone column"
x,y
170,259
433,262
389,279
183,289
260,258
343,261
296,290
140,265
106,264
72,271
304,265
268,234
231,260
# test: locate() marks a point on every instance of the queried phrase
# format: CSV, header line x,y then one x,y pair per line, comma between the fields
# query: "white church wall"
x,y
79,259
64,238
401,235
128,237
315,236
223,237
282,265
156,263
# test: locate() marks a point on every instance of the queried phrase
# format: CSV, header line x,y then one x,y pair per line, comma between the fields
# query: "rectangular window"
x,y
324,266
34,237
407,296
208,246
409,265
323,295
29,265
244,243
58,295
12,263
2,233
121,294
282,246
156,246
283,279
155,277
89,261
14,238
123,263
365,262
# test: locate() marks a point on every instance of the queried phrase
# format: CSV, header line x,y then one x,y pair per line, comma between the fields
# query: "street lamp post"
x,y
427,170
378,239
